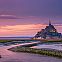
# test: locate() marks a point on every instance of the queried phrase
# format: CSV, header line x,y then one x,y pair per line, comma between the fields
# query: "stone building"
x,y
48,32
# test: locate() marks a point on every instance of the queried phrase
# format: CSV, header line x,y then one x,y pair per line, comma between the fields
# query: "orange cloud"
x,y
24,30
29,29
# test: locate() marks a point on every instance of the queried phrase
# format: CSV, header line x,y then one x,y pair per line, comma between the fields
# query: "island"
x,y
49,33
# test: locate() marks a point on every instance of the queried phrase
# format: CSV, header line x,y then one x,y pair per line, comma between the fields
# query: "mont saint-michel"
x,y
50,32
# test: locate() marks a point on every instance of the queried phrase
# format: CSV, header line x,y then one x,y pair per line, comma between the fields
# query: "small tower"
x,y
49,22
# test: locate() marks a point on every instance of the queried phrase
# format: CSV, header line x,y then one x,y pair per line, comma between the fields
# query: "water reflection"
x,y
9,56
53,45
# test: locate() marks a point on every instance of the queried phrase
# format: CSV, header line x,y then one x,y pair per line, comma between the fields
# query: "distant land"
x,y
7,38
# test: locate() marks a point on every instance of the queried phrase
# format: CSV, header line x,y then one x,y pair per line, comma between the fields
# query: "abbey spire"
x,y
49,22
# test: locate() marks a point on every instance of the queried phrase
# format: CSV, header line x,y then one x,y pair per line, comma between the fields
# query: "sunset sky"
x,y
26,17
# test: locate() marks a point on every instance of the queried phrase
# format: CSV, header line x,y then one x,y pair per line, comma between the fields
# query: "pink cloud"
x,y
29,29
24,30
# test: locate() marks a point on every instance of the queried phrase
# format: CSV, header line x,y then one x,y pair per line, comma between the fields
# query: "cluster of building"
x,y
48,33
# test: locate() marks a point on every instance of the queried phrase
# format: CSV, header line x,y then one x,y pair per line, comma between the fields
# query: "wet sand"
x,y
9,56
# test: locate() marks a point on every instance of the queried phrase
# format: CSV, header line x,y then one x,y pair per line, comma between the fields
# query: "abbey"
x,y
48,32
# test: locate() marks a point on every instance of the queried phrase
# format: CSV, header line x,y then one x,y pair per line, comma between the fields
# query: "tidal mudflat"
x,y
9,56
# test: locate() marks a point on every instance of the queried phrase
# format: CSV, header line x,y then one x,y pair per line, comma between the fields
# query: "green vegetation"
x,y
42,41
4,41
54,41
48,52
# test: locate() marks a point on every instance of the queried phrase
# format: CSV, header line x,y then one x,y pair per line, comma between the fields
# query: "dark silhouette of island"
x,y
50,32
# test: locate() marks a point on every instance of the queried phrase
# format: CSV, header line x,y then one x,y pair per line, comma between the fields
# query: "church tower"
x,y
49,22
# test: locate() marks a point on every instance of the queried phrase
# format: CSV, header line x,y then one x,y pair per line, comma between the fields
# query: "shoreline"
x,y
41,40
43,51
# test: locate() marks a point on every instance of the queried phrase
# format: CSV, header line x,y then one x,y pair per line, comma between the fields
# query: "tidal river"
x,y
9,56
